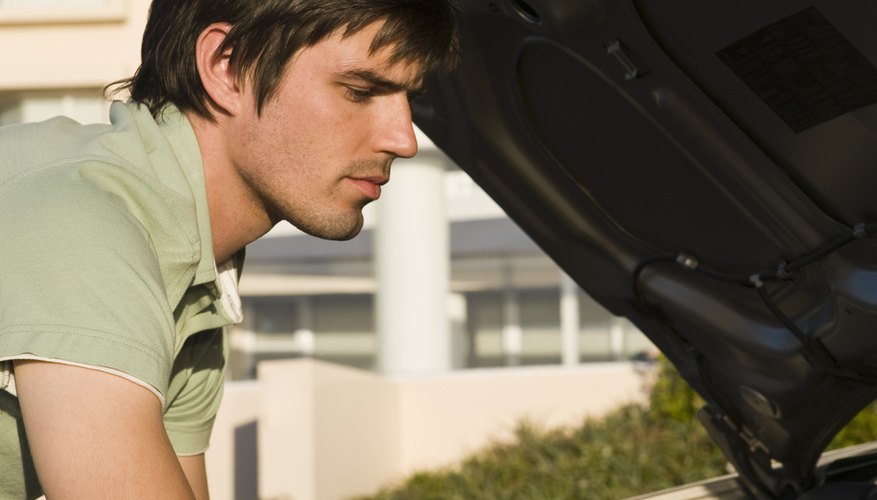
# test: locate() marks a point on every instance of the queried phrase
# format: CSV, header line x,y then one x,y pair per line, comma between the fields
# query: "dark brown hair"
x,y
265,34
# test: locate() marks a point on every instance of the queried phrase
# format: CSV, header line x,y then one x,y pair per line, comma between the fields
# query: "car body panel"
x,y
704,168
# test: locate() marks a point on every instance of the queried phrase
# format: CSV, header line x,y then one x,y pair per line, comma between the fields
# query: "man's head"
x,y
299,106
265,34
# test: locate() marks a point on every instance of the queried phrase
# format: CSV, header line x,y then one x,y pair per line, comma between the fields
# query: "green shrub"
x,y
861,429
633,450
624,454
671,398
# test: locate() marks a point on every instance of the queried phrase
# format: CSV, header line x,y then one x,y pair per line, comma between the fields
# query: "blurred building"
x,y
308,297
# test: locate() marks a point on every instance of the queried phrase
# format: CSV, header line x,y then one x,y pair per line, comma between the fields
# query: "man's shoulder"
x,y
133,144
30,147
60,165
86,192
130,185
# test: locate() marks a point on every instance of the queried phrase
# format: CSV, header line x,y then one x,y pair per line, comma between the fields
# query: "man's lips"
x,y
370,186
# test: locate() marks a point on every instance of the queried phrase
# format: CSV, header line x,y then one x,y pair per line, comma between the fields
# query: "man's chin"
x,y
336,230
341,237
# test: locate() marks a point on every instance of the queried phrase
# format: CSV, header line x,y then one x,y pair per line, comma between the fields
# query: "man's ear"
x,y
218,78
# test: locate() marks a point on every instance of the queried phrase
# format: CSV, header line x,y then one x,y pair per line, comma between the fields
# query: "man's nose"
x,y
395,132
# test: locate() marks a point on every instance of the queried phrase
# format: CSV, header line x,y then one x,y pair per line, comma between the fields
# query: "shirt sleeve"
x,y
81,280
195,392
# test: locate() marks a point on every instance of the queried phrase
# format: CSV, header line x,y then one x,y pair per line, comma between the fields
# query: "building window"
x,y
84,106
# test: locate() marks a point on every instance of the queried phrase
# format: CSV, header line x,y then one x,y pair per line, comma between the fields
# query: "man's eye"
x,y
358,94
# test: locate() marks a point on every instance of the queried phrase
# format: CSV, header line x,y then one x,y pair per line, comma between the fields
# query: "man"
x,y
122,243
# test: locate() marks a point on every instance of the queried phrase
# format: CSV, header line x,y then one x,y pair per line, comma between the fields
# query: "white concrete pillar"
x,y
458,321
512,333
569,321
412,268
303,338
616,337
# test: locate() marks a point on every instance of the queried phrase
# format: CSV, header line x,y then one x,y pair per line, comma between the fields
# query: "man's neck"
x,y
236,218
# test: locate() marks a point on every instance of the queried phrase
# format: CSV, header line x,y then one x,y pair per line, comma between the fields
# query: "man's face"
x,y
323,144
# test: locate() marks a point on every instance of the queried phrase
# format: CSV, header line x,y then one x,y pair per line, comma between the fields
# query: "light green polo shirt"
x,y
106,262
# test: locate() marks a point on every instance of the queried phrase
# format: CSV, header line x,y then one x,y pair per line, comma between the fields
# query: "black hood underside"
x,y
705,168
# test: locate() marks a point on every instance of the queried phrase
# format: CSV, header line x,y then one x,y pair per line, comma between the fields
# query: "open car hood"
x,y
705,168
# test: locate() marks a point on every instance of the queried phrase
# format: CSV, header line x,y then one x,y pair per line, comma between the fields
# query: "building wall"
x,y
310,430
69,44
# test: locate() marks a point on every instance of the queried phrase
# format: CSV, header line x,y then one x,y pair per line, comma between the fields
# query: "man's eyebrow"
x,y
379,82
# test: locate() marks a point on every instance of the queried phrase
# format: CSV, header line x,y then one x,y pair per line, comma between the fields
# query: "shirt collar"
x,y
179,134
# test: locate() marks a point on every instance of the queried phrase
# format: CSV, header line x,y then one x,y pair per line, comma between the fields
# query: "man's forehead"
x,y
353,56
382,58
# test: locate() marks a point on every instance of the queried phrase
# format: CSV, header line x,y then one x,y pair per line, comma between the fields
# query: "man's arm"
x,y
196,472
96,435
